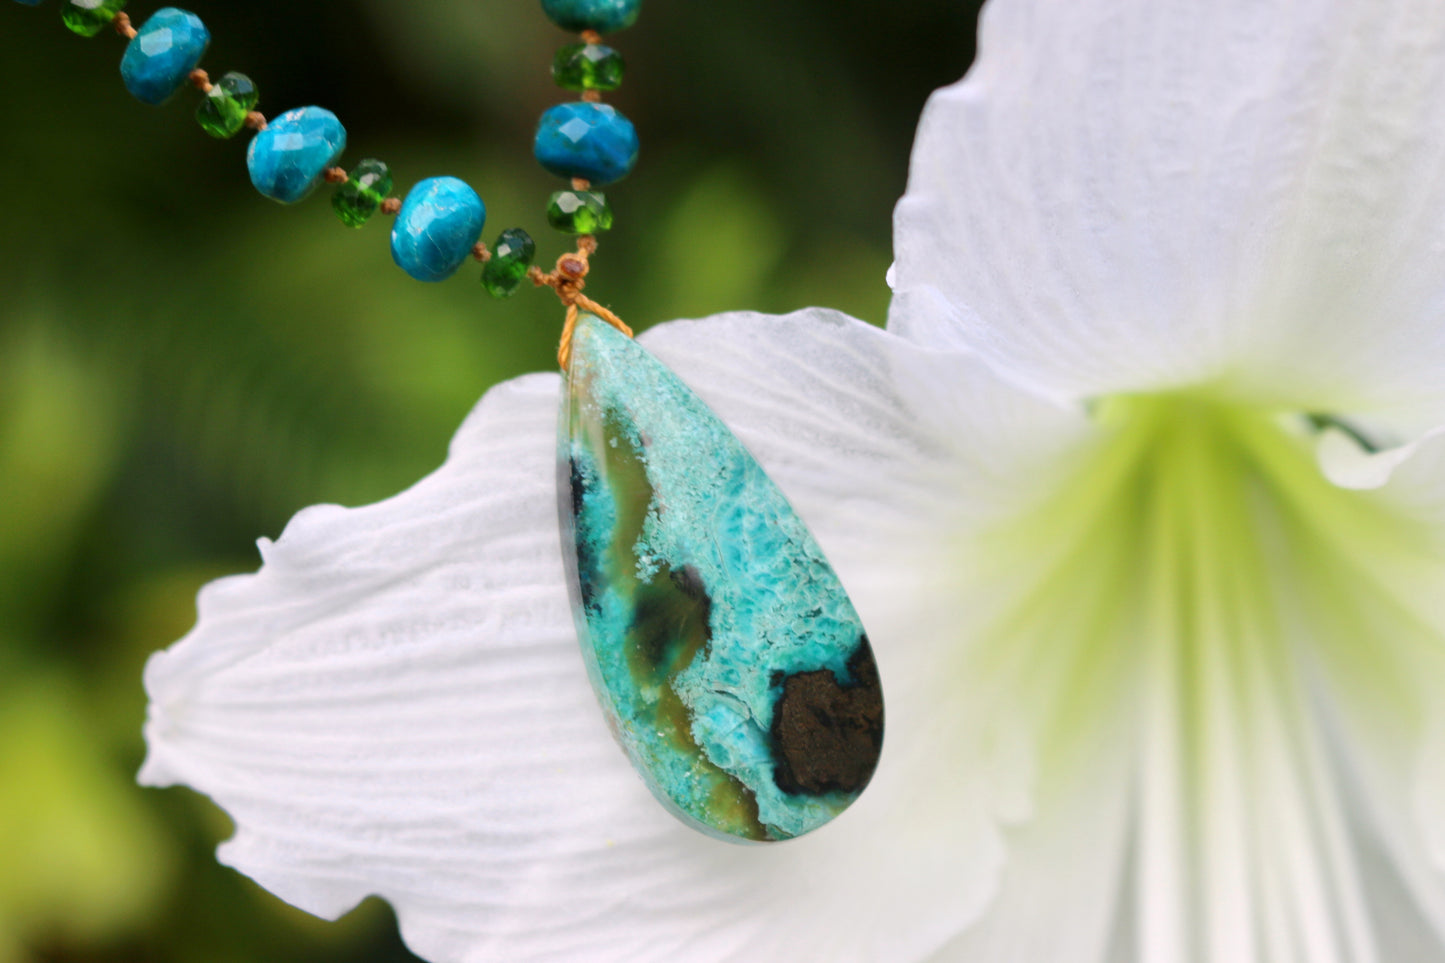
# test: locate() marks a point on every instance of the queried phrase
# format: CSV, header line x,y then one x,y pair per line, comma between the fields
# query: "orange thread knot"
x,y
568,279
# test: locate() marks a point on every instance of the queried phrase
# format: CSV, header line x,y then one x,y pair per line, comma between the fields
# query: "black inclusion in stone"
x,y
577,486
670,623
588,564
826,736
689,583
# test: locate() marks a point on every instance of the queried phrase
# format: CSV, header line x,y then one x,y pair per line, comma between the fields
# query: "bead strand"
x,y
585,142
291,155
439,221
588,142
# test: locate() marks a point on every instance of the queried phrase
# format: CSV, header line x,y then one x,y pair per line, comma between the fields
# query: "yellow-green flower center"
x,y
1194,569
1188,617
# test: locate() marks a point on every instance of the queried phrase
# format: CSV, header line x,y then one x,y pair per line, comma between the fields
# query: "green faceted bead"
x,y
511,257
223,113
360,197
90,17
587,66
579,212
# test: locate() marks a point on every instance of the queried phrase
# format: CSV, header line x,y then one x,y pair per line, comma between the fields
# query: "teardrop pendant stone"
x,y
727,657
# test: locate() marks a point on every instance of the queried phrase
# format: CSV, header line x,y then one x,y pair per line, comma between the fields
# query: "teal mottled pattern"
x,y
604,16
699,595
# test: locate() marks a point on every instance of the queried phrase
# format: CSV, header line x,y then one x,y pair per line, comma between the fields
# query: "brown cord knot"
x,y
568,279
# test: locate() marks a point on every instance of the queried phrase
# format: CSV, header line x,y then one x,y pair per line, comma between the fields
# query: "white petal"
x,y
1333,709
1136,195
1064,885
1379,700
1378,762
395,703
1410,476
1408,709
1348,464
1211,618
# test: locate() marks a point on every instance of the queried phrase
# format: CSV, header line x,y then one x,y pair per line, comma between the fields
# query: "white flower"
x,y
1164,657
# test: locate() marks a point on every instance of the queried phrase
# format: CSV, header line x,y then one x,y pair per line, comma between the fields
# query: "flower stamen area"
x,y
1199,593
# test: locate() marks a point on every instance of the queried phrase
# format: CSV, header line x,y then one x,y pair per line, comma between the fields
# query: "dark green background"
x,y
183,364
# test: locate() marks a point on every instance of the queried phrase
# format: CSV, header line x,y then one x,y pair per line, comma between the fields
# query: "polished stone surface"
x,y
89,17
506,269
579,212
591,141
227,104
588,66
166,48
437,227
366,189
604,16
287,159
727,657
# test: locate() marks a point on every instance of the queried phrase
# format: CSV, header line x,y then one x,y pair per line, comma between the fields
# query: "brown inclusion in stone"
x,y
827,736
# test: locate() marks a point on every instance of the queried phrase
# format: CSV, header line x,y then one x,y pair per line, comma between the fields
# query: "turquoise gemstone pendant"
x,y
726,655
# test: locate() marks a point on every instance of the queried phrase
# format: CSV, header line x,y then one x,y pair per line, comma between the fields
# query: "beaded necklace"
x,y
438,222
725,654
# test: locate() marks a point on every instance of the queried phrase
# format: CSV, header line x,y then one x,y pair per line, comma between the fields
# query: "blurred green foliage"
x,y
183,365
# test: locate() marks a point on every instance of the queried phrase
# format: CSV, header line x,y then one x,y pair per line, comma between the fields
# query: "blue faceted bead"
x,y
31,3
604,16
288,157
436,228
162,54
590,141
